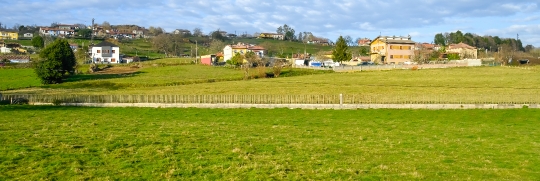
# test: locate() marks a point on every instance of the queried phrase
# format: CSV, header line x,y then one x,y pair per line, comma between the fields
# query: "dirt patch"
x,y
118,70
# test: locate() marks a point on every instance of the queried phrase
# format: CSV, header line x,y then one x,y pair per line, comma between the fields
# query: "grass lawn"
x,y
75,143
18,78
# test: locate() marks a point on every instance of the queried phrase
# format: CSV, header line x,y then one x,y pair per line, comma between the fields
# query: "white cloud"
x,y
322,17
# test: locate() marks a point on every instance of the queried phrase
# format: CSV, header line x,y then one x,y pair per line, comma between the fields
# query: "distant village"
x,y
379,50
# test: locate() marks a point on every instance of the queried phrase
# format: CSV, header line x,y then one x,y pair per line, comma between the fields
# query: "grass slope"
x,y
49,143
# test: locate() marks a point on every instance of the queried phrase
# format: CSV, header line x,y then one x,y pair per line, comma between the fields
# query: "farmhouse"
x,y
392,49
105,52
28,35
464,50
272,36
364,42
230,50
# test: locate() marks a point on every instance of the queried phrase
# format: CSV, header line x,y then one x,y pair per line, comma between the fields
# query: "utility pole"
x,y
196,52
92,35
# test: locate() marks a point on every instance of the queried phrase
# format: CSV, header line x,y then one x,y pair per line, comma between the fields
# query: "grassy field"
x,y
487,83
74,143
156,73
17,79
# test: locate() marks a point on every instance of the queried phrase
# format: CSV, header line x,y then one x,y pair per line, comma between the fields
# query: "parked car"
x,y
409,63
330,64
366,63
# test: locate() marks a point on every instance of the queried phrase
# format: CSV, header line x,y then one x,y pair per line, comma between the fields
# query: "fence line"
x,y
279,99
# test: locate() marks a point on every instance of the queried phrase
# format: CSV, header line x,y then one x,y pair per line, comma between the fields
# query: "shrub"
x,y
57,102
20,101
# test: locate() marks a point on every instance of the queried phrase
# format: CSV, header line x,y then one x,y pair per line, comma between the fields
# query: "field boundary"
x,y
337,99
305,106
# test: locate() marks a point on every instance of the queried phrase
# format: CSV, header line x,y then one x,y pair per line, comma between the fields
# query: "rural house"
x,y
105,52
61,30
464,50
392,49
181,32
364,42
230,50
6,34
272,36
28,35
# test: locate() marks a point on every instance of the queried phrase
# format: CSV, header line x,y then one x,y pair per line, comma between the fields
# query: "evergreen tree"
x,y
38,42
439,39
56,60
341,51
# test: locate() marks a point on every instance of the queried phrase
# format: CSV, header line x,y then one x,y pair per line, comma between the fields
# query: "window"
x,y
401,47
113,60
113,51
98,51
391,56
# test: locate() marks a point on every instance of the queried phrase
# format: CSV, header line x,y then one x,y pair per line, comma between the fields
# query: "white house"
x,y
28,35
227,53
106,52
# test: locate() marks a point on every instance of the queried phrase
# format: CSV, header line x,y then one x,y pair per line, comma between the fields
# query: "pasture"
x,y
74,143
17,79
175,77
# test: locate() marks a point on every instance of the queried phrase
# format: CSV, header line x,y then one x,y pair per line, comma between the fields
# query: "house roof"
x,y
272,34
460,45
9,30
15,57
395,39
256,48
105,44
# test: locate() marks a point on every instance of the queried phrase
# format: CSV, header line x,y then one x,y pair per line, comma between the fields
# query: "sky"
x,y
421,19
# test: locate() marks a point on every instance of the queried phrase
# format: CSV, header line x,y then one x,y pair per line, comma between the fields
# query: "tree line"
x,y
487,42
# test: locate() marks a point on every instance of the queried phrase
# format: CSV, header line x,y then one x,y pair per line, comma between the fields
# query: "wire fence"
x,y
279,99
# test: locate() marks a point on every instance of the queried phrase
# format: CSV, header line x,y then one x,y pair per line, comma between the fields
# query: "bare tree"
x,y
106,25
348,40
253,59
321,56
216,46
163,43
278,66
504,54
197,32
177,40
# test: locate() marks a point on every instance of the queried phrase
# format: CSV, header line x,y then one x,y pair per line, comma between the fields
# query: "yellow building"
x,y
9,35
392,49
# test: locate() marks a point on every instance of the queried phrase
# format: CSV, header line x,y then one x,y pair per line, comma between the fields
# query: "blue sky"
x,y
421,19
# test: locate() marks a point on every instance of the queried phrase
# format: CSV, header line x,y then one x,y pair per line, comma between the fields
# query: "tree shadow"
x,y
41,108
84,77
93,81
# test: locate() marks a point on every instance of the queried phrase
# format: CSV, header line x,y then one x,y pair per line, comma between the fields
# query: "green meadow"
x,y
75,143
178,77
17,79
